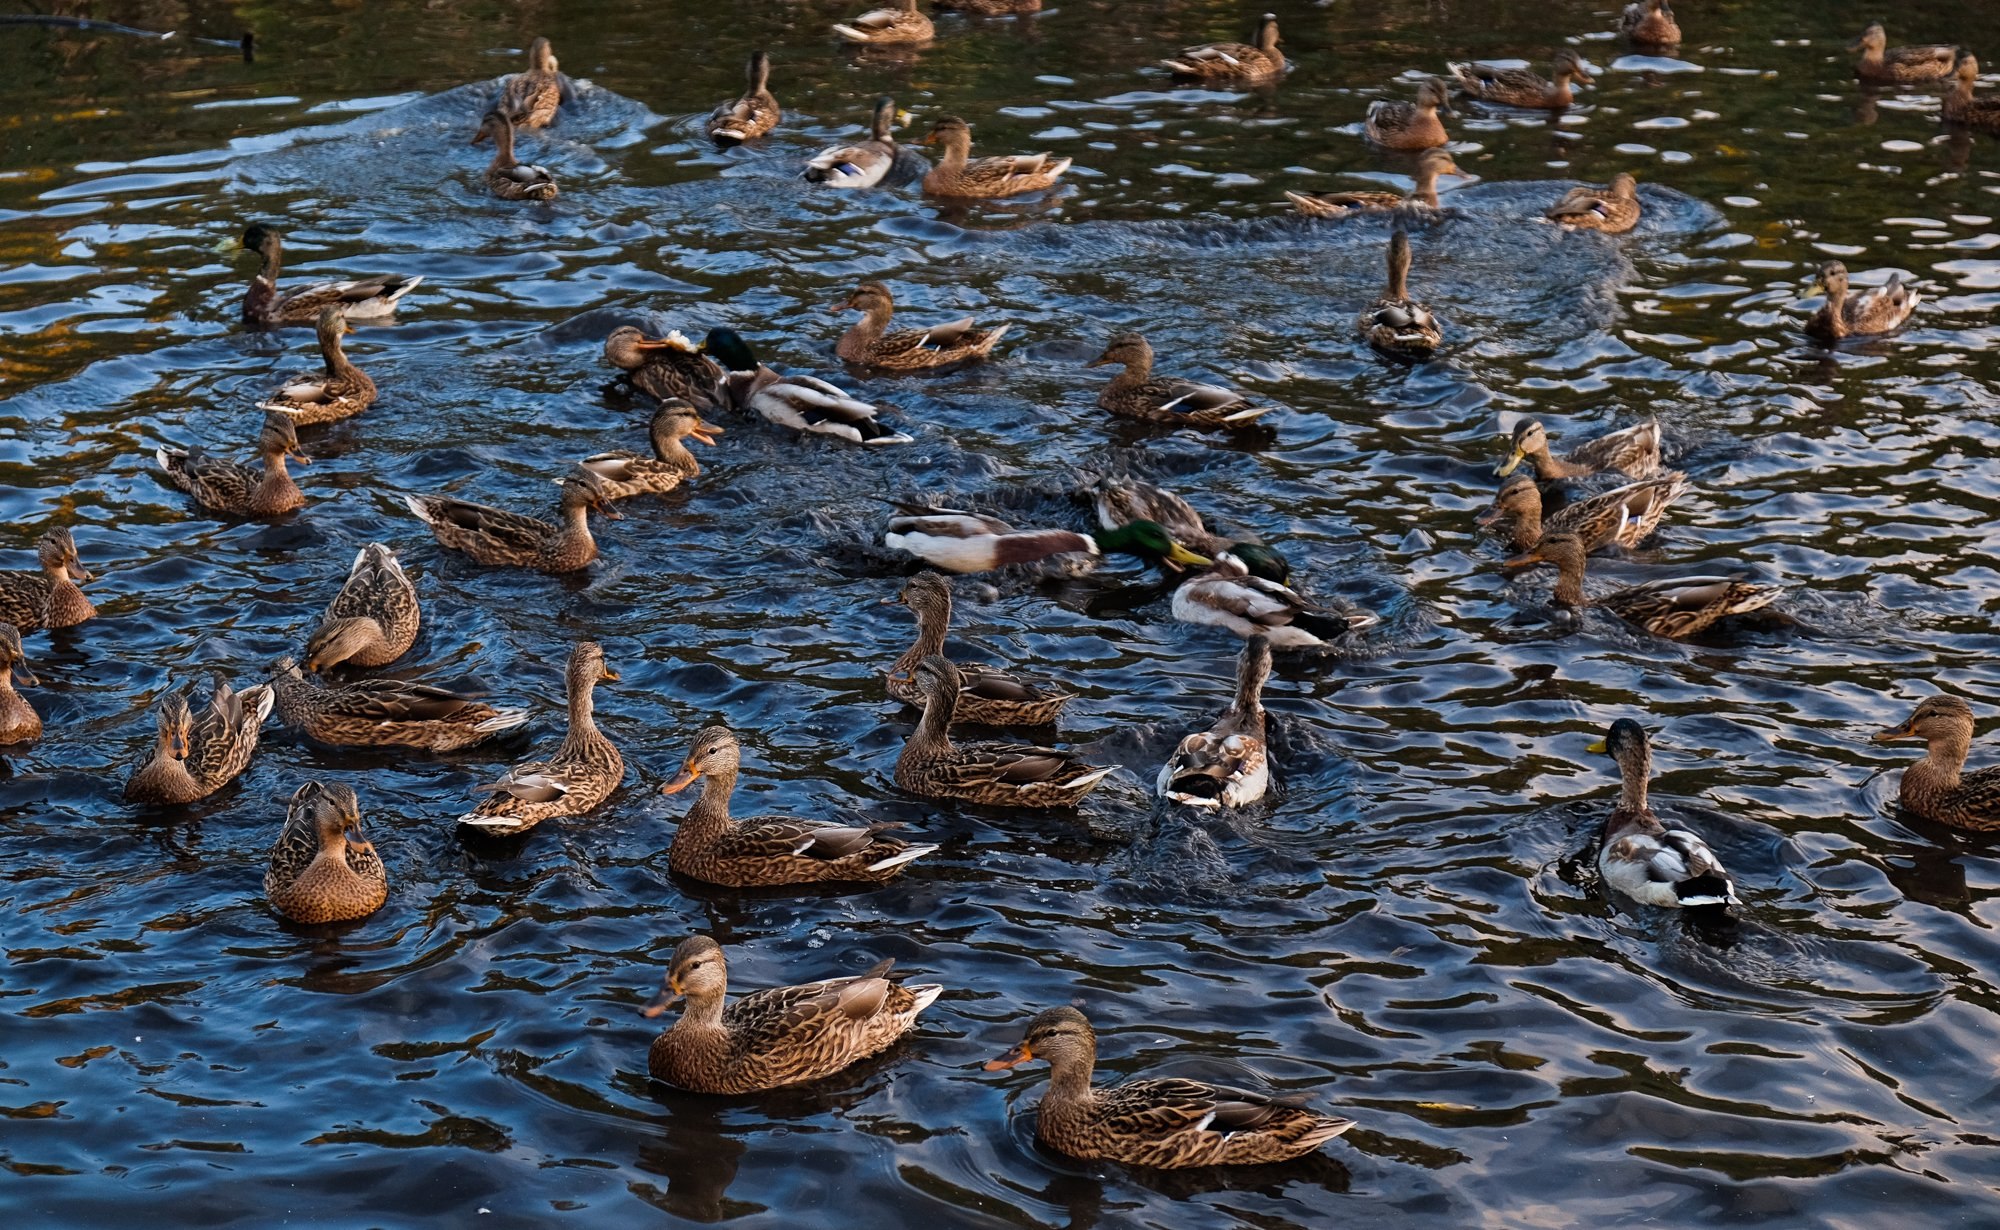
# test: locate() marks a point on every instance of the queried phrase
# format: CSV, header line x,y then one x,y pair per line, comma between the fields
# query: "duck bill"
x,y
1178,554
1513,460
705,432
666,999
609,675
1893,733
682,780
295,455
177,747
607,512
77,572
1598,747
24,676
1099,361
1012,1059
1487,516
1520,562
227,246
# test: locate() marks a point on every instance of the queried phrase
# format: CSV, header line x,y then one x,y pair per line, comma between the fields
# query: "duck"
x,y
1622,517
1421,201
1227,596
323,869
802,403
1229,764
19,723
1676,607
754,114
1135,393
669,368
770,850
621,475
1649,861
1395,124
1395,325
584,771
1937,788
372,621
508,179
775,1037
499,538
1882,310
1880,62
234,489
990,8
865,163
339,391
988,695
1632,451
1235,63
530,98
1650,23
960,541
994,774
1612,209
868,343
960,175
1121,501
1961,108
1523,87
48,597
899,23
264,307
385,712
1164,1123
191,760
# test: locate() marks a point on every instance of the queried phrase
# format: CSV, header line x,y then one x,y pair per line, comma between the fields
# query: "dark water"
x,y
1412,929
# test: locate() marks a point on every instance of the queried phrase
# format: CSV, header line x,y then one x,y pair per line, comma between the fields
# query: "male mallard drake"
x,y
265,308
191,760
1234,62
1632,451
990,8
1135,393
863,164
373,620
1960,107
958,174
1396,325
1523,87
19,723
385,713
1623,517
1613,209
1675,607
511,180
868,343
767,850
1650,23
49,598
621,475
1122,501
1167,1124
995,774
669,368
958,541
752,115
780,1036
323,870
1937,787
987,695
1421,200
901,23
1648,861
582,773
1227,765
1882,310
530,98
1395,124
513,540
341,390
1900,65
234,489
801,403
1228,596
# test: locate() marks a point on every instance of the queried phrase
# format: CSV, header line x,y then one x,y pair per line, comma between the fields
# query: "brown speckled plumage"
x,y
339,390
265,307
1622,517
19,723
373,620
318,873
507,178
49,598
1937,787
582,774
191,760
237,490
999,774
622,475
1238,63
987,695
499,538
1675,607
1632,451
869,343
530,98
385,713
1135,393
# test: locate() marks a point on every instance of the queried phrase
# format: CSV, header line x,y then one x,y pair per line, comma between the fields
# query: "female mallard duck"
x,y
1166,1124
1960,107
1676,607
1227,765
1523,87
373,620
669,368
265,308
505,539
870,344
530,99
987,695
1632,451
1237,63
1937,787
958,174
990,8
1882,310
1651,862
49,598
19,723
1613,209
191,760
754,114
1880,62
996,774
622,475
1396,325
1623,517
234,489
1122,501
901,23
385,713
1228,596
582,773
511,180
1394,124
340,391
323,870
1135,393
766,850
801,403
1421,200
958,541
863,164
1650,23
780,1036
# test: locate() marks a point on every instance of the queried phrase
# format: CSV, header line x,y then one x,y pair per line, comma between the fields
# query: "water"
x,y
1412,930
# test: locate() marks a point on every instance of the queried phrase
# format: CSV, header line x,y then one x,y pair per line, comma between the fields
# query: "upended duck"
x,y
192,759
233,489
868,342
1881,310
864,163
1229,764
1135,393
323,869
265,307
1649,861
1421,201
959,541
1227,596
386,712
1675,607
802,403
995,774
1622,517
1237,63
1396,325
373,620
499,538
509,179
531,98
1632,451
1937,787
339,391
584,771
19,723
621,475
1650,23
898,23
987,695
752,115
49,598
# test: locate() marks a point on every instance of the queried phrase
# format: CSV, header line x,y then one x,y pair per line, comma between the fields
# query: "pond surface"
x,y
1411,929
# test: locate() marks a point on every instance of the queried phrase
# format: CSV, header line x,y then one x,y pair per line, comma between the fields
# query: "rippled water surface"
x,y
1411,929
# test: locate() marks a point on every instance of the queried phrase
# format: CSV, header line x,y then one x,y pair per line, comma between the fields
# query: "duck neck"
x,y
1426,191
1138,370
1635,769
674,452
711,808
582,715
934,728
165,774
1069,1079
1398,289
1527,524
703,1012
873,323
574,533
333,354
67,605
1548,465
957,152
503,147
277,479
272,253
1944,760
1569,583
931,626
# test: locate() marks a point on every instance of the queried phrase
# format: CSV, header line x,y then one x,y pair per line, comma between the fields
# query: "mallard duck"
x,y
1122,501
1613,209
385,713
530,98
1136,394
49,598
1421,200
752,115
234,489
1960,107
373,620
505,539
780,1036
987,695
1937,787
191,760
995,774
1650,23
1167,1124
1622,517
1901,65
1648,861
1228,596
990,8
1882,310
341,390
767,850
582,773
1632,451
901,23
801,403
265,308
621,475
959,541
669,368
868,343
19,723
1676,607
861,165
1227,765
1523,87
1396,325
511,180
1395,124
323,870
960,175
1234,62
